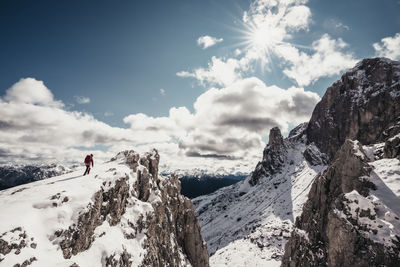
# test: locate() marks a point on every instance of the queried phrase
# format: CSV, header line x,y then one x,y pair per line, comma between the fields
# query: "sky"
x,y
201,81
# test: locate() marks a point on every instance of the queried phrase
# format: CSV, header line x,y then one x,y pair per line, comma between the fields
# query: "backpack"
x,y
87,159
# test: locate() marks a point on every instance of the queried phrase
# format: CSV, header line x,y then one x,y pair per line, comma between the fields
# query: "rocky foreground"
x,y
122,214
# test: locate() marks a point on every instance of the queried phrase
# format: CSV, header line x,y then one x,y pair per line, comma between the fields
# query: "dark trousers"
x,y
87,169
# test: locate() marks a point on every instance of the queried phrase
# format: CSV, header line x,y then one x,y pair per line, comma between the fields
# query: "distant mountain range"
x,y
11,176
193,184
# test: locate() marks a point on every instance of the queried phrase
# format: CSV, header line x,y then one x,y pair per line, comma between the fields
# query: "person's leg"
x,y
87,169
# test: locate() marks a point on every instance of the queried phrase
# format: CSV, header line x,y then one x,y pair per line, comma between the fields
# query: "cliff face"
x,y
344,223
351,217
363,105
122,214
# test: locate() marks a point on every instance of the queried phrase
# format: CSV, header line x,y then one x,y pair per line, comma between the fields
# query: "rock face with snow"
x,y
122,214
392,147
352,215
363,105
274,156
345,222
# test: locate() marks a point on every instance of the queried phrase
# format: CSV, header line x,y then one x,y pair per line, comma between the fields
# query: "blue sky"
x,y
118,55
110,60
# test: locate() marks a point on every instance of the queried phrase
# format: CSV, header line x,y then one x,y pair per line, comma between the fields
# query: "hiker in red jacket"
x,y
88,160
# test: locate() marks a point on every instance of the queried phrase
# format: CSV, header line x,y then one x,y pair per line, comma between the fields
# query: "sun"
x,y
262,38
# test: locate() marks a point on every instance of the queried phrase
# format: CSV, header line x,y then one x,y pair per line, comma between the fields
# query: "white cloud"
x,y
230,122
237,52
82,99
296,18
165,128
227,124
30,91
219,72
162,91
388,47
208,41
35,127
327,59
269,27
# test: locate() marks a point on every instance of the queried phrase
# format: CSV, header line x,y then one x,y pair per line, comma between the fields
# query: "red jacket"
x,y
88,160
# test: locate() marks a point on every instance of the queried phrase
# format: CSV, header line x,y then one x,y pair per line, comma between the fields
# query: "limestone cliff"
x,y
351,217
274,156
363,105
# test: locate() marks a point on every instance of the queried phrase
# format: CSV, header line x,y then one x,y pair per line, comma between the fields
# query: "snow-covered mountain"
x,y
248,224
17,175
351,217
201,172
122,214
335,199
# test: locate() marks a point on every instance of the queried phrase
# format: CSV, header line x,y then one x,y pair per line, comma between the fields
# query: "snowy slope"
x,y
54,204
381,207
246,225
37,217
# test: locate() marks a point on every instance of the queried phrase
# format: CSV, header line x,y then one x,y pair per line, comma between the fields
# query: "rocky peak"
x,y
175,213
347,205
298,131
364,105
340,211
275,139
273,157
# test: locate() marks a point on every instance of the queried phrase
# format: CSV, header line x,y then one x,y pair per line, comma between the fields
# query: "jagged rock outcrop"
x,y
108,205
171,222
275,142
123,214
327,234
173,217
273,157
363,105
392,147
298,131
314,156
351,216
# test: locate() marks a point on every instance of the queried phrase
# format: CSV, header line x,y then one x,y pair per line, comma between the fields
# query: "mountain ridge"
x,y
284,183
123,213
